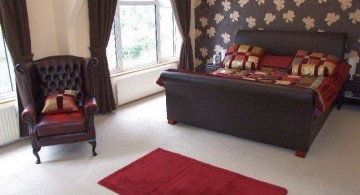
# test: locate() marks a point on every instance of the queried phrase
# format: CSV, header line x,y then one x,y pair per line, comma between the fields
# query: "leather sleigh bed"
x,y
272,114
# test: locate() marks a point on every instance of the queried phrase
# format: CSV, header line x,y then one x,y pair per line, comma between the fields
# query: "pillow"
x,y
61,102
310,70
243,57
276,61
314,64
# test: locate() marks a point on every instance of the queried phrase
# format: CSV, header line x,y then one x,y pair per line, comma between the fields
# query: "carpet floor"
x,y
133,130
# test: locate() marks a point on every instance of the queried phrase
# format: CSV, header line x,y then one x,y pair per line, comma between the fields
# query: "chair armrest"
x,y
90,105
29,115
90,108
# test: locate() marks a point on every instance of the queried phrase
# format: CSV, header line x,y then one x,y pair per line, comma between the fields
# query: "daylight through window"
x,y
144,34
6,71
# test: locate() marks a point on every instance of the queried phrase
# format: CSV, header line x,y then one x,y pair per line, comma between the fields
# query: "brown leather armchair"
x,y
36,80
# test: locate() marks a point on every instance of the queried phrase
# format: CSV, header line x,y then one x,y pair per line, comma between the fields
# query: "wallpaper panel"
x,y
217,21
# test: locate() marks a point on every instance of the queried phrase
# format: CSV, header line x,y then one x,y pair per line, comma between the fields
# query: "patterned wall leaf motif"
x,y
217,21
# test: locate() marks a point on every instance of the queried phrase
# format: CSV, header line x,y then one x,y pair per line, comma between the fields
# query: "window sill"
x,y
7,99
7,102
141,69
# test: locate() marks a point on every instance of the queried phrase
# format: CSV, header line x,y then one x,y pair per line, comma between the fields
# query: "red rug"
x,y
164,172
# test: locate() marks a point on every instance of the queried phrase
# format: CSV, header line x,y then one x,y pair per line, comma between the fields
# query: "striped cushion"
x,y
313,64
243,57
61,102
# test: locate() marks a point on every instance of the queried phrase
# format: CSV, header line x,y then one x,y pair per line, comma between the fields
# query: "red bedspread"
x,y
329,89
326,88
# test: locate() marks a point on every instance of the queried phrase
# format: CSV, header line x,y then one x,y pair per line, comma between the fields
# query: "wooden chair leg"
x,y
93,144
300,154
36,150
171,122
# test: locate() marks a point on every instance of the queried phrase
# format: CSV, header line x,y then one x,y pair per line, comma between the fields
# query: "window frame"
x,y
118,42
10,95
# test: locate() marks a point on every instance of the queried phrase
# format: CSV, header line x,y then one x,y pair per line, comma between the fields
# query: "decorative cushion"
x,y
243,57
314,64
310,70
277,61
61,102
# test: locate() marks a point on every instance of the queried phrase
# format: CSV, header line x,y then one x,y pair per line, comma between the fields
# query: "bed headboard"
x,y
288,42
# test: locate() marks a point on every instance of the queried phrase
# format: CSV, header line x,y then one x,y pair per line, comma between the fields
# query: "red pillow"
x,y
277,61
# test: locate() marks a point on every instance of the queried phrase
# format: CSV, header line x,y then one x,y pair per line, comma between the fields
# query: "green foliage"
x,y
138,48
138,33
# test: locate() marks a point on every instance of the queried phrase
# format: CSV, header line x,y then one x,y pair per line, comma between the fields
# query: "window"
x,y
7,81
144,34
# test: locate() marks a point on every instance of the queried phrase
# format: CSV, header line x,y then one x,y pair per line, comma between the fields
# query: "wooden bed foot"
x,y
171,122
300,154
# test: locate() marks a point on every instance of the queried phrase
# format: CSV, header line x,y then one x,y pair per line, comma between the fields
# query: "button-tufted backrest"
x,y
59,73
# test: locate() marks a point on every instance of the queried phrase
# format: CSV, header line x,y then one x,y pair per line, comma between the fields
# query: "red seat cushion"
x,y
53,124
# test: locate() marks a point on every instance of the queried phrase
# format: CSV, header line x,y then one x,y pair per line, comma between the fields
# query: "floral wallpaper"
x,y
217,21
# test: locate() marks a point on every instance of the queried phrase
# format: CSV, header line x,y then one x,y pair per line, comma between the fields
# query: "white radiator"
x,y
140,84
9,125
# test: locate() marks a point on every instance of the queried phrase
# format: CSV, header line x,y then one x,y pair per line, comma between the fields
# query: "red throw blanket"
x,y
326,88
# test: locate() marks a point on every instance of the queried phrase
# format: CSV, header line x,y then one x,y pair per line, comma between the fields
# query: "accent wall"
x,y
217,21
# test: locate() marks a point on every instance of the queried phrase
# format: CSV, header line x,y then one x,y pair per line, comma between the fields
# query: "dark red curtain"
x,y
101,16
182,12
15,28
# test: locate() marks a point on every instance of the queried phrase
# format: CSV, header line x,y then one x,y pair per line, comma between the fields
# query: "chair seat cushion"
x,y
62,123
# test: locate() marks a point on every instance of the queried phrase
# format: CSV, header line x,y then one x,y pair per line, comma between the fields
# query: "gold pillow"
x,y
310,70
246,57
61,102
314,64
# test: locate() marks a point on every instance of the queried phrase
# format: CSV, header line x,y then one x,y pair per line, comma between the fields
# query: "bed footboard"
x,y
276,115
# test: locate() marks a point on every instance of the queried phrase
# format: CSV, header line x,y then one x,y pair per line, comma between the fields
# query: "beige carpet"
x,y
331,167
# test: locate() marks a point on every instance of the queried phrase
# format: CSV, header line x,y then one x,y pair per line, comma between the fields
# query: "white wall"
x,y
42,28
82,34
59,27
62,10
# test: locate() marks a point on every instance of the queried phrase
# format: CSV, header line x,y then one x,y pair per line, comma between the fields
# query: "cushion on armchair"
x,y
61,102
243,57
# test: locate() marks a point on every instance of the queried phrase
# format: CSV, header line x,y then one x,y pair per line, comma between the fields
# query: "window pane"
x,y
165,3
166,33
5,79
178,41
111,50
138,35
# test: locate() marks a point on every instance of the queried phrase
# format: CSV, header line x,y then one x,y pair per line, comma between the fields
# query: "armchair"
x,y
37,79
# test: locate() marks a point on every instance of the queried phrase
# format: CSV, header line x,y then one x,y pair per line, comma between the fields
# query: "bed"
x,y
272,114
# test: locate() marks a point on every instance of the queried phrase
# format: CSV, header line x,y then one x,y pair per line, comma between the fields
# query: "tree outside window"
x,y
144,34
